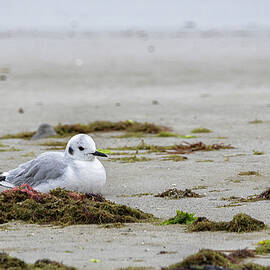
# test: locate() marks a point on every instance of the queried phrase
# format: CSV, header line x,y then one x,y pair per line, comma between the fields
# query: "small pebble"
x,y
3,77
21,110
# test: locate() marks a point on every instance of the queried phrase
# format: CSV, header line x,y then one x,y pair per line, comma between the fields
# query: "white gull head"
x,y
82,147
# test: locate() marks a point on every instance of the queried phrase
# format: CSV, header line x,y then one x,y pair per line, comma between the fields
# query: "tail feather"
x,y
3,182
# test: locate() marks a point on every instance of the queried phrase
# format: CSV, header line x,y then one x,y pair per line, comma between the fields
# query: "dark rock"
x,y
44,131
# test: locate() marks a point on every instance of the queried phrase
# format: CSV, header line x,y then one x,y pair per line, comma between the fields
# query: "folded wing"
x,y
47,166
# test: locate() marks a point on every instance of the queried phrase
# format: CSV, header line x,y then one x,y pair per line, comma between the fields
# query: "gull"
x,y
76,169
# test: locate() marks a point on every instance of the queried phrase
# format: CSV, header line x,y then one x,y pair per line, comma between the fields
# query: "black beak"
x,y
99,154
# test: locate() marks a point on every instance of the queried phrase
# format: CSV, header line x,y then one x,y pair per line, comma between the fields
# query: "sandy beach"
x,y
184,81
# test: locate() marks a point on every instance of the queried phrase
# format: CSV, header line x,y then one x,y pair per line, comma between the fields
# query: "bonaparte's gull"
x,y
76,169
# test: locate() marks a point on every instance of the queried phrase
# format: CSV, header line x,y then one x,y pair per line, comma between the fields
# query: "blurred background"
x,y
79,61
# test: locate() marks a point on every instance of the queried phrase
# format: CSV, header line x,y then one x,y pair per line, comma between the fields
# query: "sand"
x,y
220,82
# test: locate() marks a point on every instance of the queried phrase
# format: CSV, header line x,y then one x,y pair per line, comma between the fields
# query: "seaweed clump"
x,y
105,126
184,148
7,262
174,194
213,259
263,248
62,207
265,195
97,126
240,223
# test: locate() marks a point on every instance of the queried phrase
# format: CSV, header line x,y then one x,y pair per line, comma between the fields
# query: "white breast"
x,y
85,176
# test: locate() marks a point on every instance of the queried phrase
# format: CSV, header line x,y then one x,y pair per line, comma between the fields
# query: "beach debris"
x,y
62,207
174,194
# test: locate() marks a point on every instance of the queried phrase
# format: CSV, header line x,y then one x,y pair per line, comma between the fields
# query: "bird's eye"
x,y
81,148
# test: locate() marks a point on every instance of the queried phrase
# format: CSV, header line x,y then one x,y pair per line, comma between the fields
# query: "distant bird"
x,y
76,169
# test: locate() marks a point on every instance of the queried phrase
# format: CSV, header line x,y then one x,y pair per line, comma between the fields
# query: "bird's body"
x,y
75,169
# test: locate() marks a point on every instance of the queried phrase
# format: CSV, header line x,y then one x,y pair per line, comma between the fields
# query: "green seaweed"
x,y
180,218
12,149
256,121
171,134
61,207
199,187
263,248
21,135
201,130
130,159
175,158
204,160
258,153
208,257
130,135
255,173
3,145
8,262
240,223
204,257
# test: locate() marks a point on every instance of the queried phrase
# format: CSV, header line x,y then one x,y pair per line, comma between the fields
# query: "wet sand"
x,y
218,82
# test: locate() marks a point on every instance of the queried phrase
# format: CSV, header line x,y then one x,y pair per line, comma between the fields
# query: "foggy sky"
x,y
132,14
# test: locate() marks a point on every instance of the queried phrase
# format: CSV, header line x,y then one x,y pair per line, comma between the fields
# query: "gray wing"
x,y
47,166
